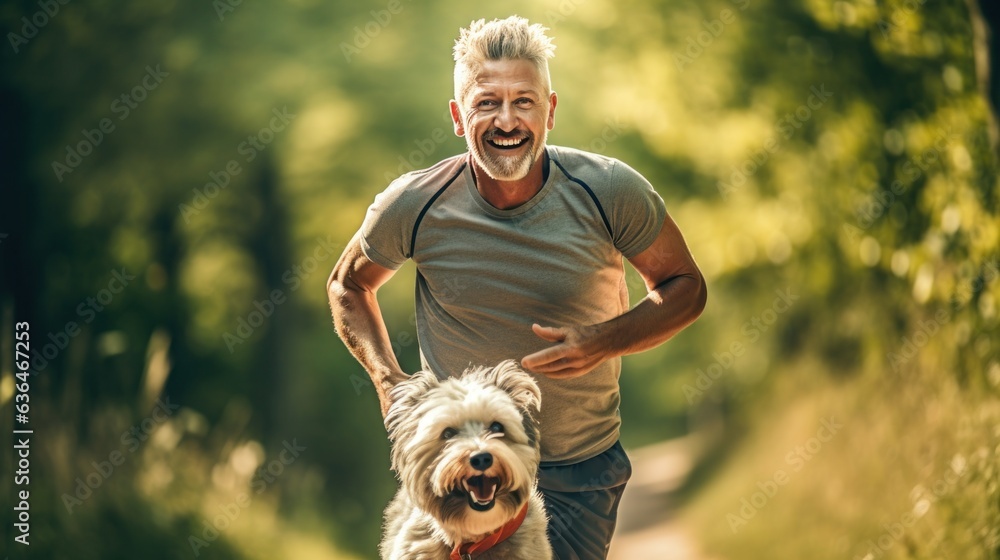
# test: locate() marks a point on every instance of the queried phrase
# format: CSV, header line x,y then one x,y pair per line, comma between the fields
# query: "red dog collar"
x,y
464,550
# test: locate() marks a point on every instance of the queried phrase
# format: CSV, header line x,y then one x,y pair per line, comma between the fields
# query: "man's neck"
x,y
506,195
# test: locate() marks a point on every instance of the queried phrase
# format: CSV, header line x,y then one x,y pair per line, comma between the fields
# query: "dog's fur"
x,y
435,427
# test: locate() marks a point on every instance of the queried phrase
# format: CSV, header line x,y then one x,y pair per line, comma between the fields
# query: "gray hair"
x,y
507,39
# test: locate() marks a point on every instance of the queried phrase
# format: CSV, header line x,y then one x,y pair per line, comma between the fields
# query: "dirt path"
x,y
646,528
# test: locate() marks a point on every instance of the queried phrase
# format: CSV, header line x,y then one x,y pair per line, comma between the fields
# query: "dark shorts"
x,y
582,503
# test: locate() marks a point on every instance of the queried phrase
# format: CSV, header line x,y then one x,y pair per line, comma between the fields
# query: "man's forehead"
x,y
488,86
520,74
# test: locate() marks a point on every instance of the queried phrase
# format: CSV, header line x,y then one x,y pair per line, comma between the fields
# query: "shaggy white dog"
x,y
466,453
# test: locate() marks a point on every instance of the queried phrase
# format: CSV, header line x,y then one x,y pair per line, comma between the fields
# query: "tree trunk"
x,y
985,19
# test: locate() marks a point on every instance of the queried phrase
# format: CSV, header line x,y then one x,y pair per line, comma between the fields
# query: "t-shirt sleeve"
x,y
637,211
385,233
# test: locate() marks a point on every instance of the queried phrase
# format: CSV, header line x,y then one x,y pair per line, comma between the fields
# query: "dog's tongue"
x,y
483,488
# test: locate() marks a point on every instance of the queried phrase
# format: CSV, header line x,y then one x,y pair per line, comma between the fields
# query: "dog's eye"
x,y
449,433
496,428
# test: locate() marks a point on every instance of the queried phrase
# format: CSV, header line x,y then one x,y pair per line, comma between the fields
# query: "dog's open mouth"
x,y
482,491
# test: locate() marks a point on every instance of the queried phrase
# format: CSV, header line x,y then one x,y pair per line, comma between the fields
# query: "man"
x,y
518,248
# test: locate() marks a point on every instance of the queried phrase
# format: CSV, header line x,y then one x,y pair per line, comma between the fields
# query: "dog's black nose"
x,y
481,462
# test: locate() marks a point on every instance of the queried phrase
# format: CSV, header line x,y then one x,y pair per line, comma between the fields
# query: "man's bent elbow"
x,y
334,285
339,287
700,298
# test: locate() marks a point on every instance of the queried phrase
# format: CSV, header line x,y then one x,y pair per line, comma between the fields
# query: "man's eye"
x,y
525,102
487,103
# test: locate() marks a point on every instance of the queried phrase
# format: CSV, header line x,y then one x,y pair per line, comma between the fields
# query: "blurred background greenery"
x,y
178,179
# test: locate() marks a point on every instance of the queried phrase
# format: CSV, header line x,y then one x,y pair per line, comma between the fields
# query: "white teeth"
x,y
507,142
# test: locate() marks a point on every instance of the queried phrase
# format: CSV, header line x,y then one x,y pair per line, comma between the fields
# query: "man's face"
x,y
505,117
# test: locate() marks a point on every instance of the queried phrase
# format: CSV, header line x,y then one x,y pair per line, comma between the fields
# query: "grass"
x,y
912,473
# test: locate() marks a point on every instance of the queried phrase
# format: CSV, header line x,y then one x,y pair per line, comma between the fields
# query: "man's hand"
x,y
578,351
676,297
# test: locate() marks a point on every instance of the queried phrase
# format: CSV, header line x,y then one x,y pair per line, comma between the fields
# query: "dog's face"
x,y
466,449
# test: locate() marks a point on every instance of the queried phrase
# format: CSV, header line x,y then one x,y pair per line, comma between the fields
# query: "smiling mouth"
x,y
501,143
481,491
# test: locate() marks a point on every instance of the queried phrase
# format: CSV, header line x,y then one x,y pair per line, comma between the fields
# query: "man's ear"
x,y
553,99
456,117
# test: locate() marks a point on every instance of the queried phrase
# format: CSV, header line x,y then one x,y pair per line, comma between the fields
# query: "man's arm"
x,y
677,296
351,288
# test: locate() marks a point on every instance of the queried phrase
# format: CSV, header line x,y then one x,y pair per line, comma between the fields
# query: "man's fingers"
x,y
555,363
566,371
544,358
552,334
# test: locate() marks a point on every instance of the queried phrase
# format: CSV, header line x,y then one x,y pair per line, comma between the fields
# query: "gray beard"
x,y
504,168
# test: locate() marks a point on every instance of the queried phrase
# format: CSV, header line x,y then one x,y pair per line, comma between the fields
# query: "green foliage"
x,y
835,151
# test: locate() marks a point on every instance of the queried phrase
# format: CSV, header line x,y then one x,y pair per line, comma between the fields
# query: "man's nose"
x,y
505,119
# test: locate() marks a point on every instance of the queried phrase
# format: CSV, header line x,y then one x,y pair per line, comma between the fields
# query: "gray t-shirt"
x,y
484,275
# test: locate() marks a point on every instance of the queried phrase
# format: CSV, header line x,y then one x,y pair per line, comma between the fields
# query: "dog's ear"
x,y
405,396
517,383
